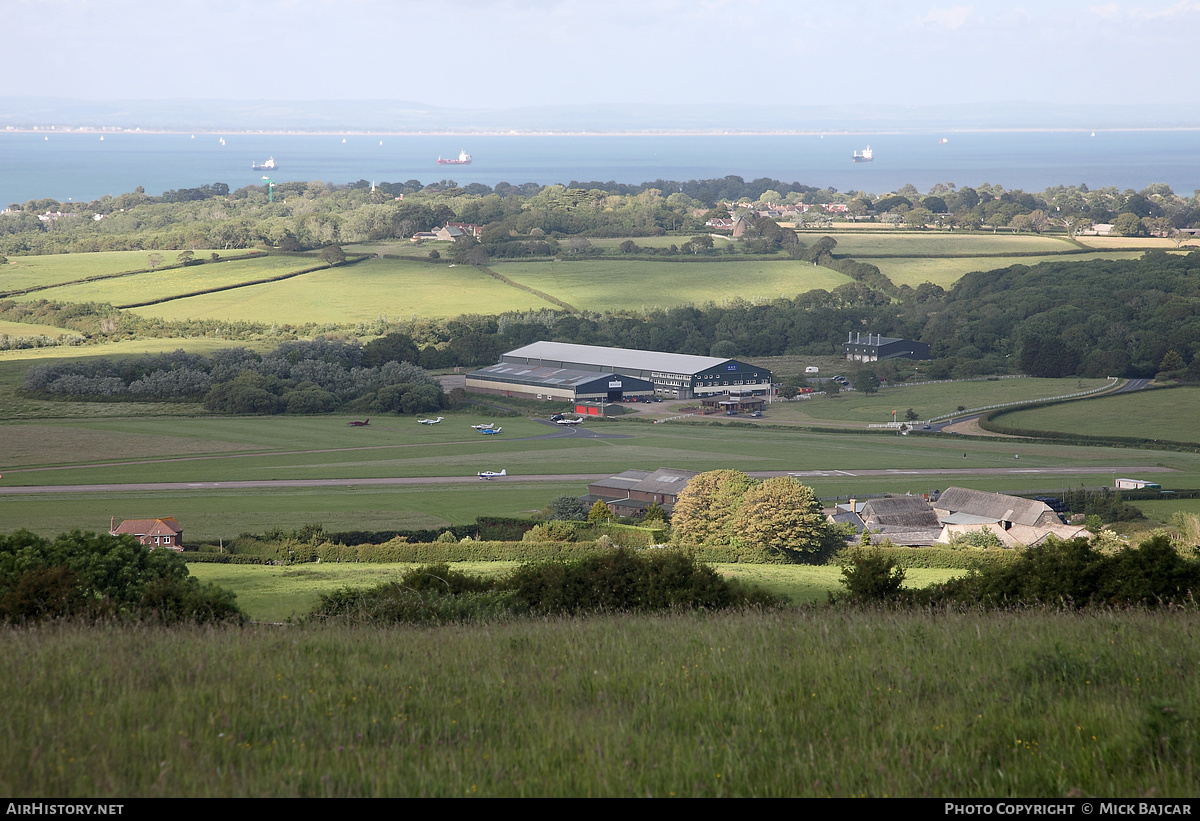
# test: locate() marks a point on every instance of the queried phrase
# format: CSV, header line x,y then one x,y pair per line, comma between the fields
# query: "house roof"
x,y
668,481
148,527
900,511
995,507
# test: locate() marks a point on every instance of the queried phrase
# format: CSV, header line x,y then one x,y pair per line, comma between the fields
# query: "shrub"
x,y
621,580
870,577
88,575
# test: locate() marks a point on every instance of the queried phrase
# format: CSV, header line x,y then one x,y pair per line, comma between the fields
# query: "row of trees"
x,y
317,376
312,214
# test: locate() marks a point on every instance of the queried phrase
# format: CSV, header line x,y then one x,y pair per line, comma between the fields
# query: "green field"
x,y
913,243
602,285
25,272
945,271
218,449
928,401
1159,414
29,329
374,288
173,281
272,593
1034,704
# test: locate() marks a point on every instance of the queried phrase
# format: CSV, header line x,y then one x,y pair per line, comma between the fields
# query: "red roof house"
x,y
152,532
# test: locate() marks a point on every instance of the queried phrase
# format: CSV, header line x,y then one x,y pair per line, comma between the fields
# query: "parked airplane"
x,y
490,430
431,421
491,474
359,424
484,426
578,421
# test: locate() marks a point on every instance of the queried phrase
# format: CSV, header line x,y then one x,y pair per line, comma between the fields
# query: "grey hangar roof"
x,y
518,374
617,358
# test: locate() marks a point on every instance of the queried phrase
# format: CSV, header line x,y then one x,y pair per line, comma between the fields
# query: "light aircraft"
x,y
569,421
491,474
431,421
484,426
490,431
359,424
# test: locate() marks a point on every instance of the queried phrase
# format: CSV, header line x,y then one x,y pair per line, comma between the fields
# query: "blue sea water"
x,y
83,167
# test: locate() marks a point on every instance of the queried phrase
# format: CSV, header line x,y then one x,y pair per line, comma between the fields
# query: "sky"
x,y
513,53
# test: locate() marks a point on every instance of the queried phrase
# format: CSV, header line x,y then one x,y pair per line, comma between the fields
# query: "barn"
x,y
681,376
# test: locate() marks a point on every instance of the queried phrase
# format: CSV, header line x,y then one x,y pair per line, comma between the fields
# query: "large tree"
x,y
783,518
705,509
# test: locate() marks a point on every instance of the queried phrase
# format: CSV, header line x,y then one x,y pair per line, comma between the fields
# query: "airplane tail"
x,y
504,472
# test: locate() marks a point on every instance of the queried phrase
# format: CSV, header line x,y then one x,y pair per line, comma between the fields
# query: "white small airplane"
x,y
484,426
490,431
578,421
431,421
491,474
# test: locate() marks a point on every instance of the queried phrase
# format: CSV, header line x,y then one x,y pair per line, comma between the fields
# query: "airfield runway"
x,y
569,477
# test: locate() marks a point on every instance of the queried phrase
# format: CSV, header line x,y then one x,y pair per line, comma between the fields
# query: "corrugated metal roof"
x,y
525,375
618,357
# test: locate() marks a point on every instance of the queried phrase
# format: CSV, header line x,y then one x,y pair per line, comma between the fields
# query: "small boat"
x,y
943,141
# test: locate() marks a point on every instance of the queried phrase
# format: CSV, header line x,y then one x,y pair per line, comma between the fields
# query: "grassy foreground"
x,y
802,703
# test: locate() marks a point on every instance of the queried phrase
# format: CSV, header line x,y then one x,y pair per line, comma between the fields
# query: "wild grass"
x,y
364,292
1169,415
805,703
613,284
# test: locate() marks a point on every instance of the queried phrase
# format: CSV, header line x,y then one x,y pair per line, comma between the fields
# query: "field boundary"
x,y
218,288
988,423
529,289
98,277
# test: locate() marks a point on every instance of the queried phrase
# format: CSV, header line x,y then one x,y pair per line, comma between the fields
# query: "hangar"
x,y
563,384
682,376
876,347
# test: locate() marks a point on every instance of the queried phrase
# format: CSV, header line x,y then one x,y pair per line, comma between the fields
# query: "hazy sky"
x,y
504,53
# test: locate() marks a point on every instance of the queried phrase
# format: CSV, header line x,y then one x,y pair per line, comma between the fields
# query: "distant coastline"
x,y
101,130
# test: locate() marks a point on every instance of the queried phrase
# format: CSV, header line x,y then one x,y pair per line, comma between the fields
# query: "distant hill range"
x,y
399,116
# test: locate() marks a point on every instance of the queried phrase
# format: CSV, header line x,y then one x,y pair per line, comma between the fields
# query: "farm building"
x,y
151,532
678,375
876,347
1015,520
561,384
1137,484
631,492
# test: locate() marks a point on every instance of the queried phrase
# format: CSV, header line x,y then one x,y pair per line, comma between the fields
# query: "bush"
x,y
1075,574
870,577
621,580
90,576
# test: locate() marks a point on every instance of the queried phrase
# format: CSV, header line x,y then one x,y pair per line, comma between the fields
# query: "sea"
x,y
82,166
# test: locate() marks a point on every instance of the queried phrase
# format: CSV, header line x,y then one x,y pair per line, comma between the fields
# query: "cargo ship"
x,y
463,159
269,165
865,156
